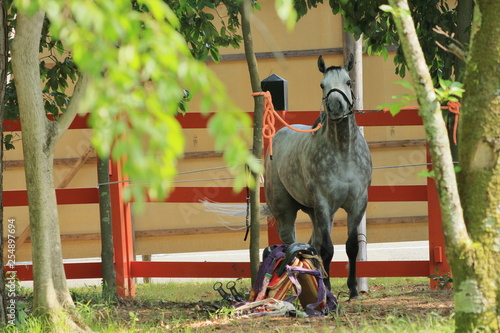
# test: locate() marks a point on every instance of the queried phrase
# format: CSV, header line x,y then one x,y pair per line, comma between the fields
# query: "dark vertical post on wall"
x,y
438,264
355,47
278,87
107,252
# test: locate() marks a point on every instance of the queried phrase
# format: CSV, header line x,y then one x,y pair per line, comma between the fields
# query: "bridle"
x,y
349,103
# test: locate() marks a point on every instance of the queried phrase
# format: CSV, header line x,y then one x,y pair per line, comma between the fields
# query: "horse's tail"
x,y
233,210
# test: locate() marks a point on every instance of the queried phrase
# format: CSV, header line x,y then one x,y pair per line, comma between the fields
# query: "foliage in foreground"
x,y
135,89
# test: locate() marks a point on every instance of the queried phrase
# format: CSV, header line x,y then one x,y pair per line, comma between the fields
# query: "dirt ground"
x,y
411,301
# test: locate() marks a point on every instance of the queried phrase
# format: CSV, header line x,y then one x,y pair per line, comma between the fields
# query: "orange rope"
x,y
268,127
454,107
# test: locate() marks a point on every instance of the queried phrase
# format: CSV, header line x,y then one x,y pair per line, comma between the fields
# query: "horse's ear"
x,y
321,64
349,64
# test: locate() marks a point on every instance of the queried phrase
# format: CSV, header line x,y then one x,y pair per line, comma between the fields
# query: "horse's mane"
x,y
333,68
321,120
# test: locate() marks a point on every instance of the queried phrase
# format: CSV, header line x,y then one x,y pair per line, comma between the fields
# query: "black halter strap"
x,y
349,103
351,111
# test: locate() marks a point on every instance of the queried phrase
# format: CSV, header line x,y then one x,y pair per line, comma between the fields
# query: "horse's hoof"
x,y
354,296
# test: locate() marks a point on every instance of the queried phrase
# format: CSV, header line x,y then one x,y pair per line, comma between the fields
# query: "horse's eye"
x,y
321,85
349,83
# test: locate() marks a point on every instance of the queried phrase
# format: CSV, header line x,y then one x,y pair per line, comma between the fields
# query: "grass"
x,y
396,324
189,307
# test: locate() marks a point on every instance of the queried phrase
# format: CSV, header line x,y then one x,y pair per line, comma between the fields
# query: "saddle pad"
x,y
309,284
279,286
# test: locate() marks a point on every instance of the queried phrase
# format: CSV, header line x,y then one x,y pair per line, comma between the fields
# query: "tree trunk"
x,y
50,289
472,245
109,292
477,290
245,10
465,9
462,33
3,78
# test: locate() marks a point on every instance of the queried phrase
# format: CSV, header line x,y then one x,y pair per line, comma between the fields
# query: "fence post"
x,y
278,87
122,234
356,48
438,264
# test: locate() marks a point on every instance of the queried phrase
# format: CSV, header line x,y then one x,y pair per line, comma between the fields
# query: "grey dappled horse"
x,y
322,172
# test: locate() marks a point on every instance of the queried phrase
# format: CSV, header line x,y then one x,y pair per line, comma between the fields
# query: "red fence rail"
x,y
127,268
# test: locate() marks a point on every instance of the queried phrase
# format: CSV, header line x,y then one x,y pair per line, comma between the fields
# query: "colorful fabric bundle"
x,y
291,271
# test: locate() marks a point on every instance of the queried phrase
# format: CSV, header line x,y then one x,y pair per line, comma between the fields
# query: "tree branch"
x,y
67,118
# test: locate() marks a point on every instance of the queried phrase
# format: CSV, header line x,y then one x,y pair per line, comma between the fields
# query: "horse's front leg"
x,y
352,245
321,240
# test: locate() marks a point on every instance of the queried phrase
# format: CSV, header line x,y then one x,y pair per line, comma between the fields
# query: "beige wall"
x,y
318,30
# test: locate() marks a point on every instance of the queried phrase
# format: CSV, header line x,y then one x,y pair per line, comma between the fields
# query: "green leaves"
x,y
140,68
286,12
372,19
7,141
195,24
386,8
449,90
402,100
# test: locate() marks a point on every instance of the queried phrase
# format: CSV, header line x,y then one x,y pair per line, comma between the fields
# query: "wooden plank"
x,y
397,193
298,225
76,167
185,270
65,196
226,194
57,161
397,144
80,122
289,54
383,268
66,238
282,54
406,117
224,230
202,154
10,125
222,194
219,230
371,145
23,237
87,270
159,269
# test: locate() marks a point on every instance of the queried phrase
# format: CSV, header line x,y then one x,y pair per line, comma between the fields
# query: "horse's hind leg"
x,y
284,209
352,246
286,226
282,205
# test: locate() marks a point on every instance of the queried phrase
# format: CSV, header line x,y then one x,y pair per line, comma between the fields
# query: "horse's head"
x,y
338,98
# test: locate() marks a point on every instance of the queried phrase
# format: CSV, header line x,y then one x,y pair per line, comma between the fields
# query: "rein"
x,y
270,114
